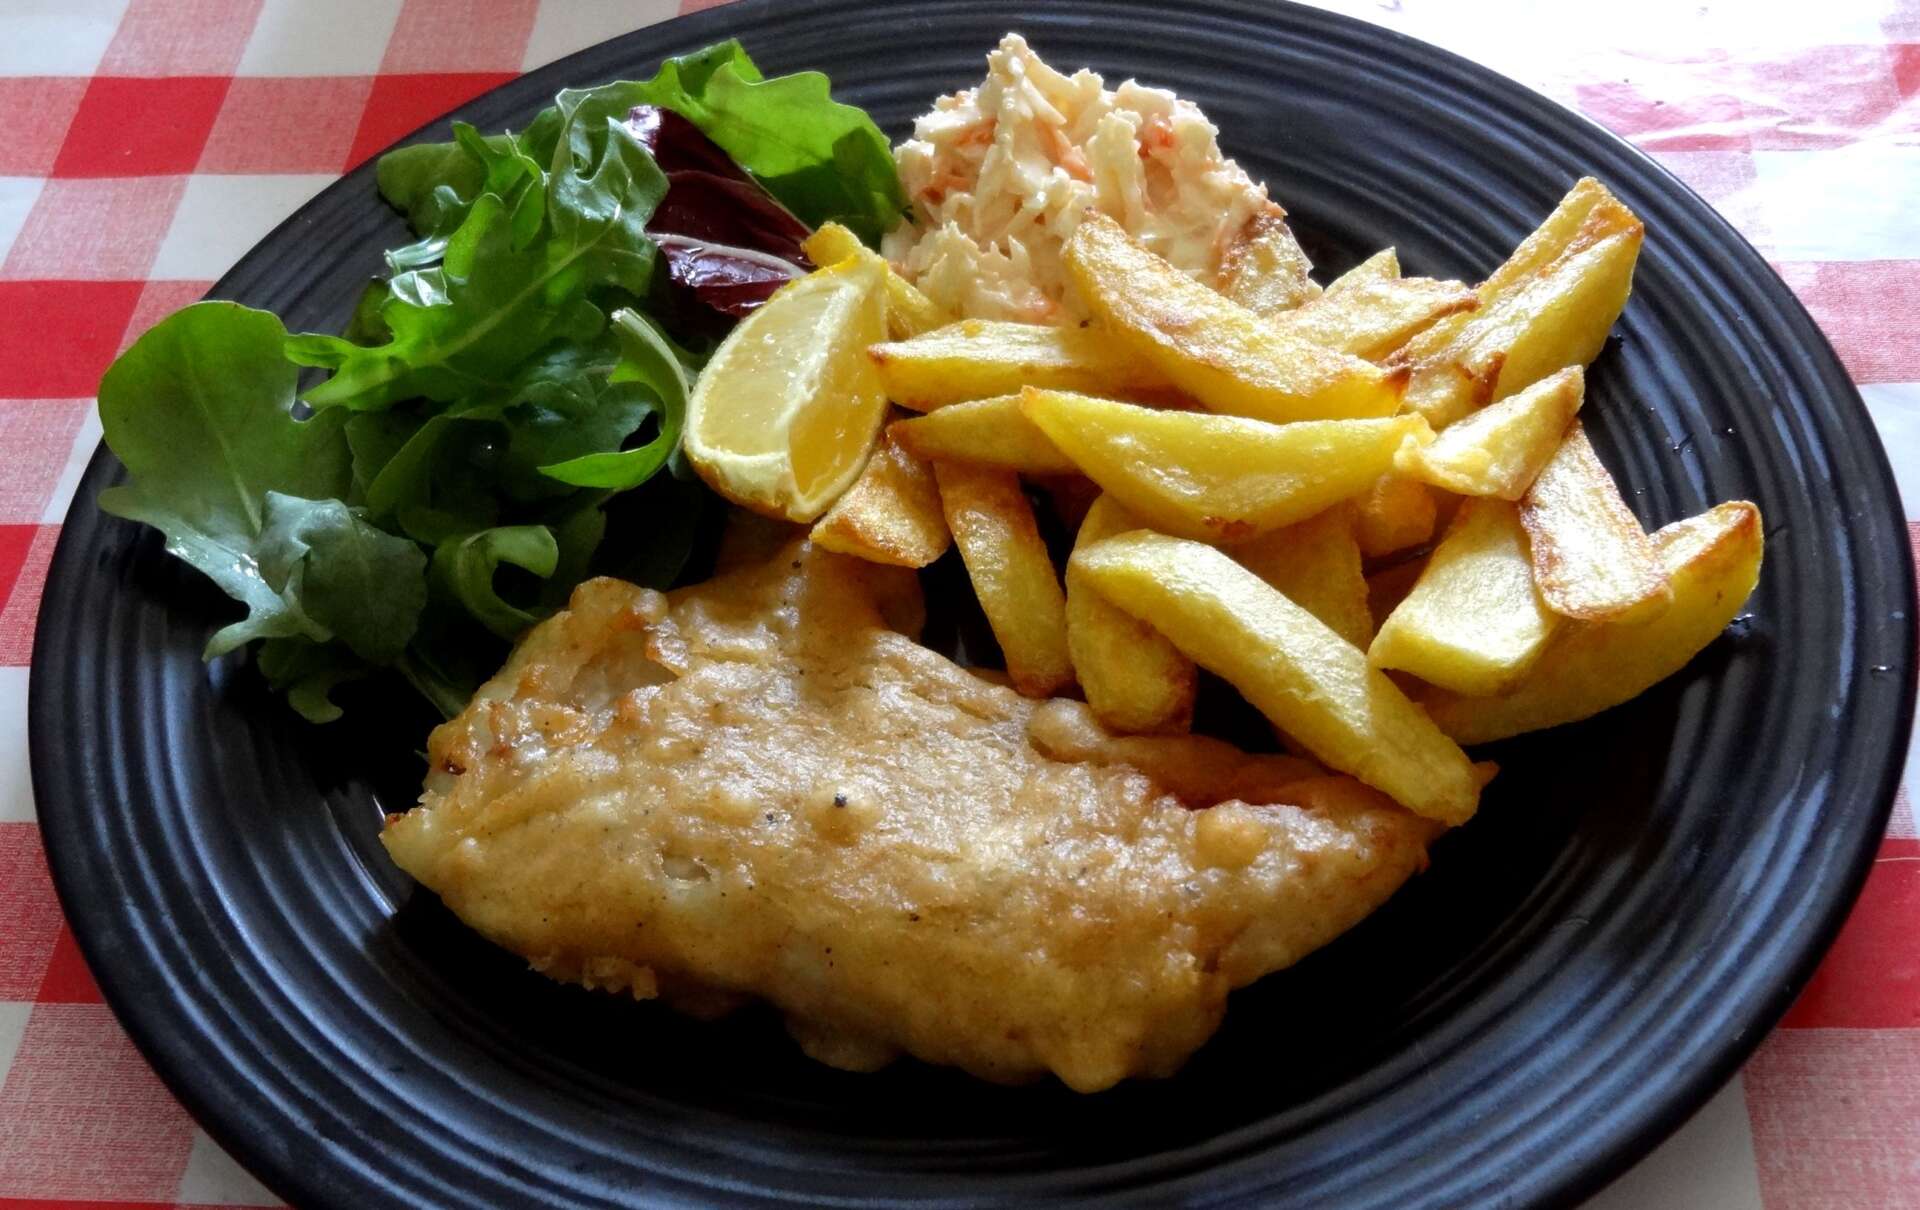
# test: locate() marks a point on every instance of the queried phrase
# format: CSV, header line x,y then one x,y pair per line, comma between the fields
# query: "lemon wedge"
x,y
784,415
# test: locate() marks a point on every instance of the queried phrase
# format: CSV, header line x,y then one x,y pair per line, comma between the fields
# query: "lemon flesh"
x,y
789,406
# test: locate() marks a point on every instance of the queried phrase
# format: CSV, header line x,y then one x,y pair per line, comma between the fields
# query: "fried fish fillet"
x,y
755,787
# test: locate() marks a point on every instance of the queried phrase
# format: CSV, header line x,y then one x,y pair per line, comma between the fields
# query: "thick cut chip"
x,y
1316,563
990,432
981,359
1474,622
1383,265
909,312
1712,561
1012,574
784,416
1217,478
1135,680
1550,306
1396,513
1500,449
1309,682
891,514
1223,355
1265,271
1372,317
1591,559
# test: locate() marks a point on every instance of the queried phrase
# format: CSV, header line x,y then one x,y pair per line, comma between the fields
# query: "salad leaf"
x,y
357,581
654,366
466,325
488,437
308,673
200,410
822,159
464,568
725,239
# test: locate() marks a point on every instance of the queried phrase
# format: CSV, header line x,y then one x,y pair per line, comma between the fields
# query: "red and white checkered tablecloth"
x,y
145,144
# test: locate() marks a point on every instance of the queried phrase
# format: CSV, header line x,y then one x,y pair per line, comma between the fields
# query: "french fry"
x,y
1134,679
1500,449
1316,564
1397,512
1712,561
1383,265
1309,682
1591,559
1223,355
1217,478
1370,318
993,525
1549,306
909,312
891,514
981,359
1265,271
990,432
1474,623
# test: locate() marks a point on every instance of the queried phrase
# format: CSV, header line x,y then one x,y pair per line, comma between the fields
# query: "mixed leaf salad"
x,y
527,358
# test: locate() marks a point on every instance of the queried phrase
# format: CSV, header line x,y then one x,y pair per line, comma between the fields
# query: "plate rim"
x,y
1608,1153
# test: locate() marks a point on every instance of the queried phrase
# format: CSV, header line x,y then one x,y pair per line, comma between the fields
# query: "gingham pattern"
x,y
1798,120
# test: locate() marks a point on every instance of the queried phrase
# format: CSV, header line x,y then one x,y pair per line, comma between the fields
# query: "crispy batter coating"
x,y
755,787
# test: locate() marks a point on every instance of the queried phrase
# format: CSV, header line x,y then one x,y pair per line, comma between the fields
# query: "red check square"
x,y
1865,308
85,1116
57,337
1668,107
141,127
94,229
38,109
36,439
180,38
15,543
68,980
399,105
1905,57
30,917
293,124
1820,96
460,36
1870,979
22,608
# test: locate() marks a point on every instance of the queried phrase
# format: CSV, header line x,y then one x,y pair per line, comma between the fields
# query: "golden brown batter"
x,y
755,787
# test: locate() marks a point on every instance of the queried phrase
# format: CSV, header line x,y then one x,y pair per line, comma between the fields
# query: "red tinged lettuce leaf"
x,y
725,239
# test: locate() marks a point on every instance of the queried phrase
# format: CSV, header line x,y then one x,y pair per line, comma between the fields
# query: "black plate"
x,y
1637,903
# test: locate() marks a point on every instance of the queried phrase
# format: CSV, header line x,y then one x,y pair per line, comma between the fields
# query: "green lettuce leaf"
x,y
822,159
464,568
200,410
652,370
308,673
464,326
363,585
